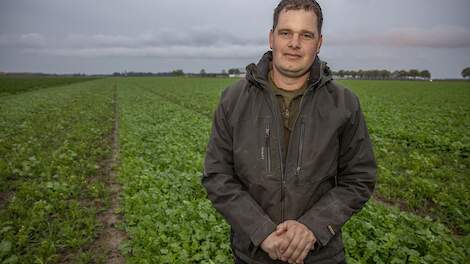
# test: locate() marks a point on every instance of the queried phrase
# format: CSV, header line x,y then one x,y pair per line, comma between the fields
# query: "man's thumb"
x,y
281,228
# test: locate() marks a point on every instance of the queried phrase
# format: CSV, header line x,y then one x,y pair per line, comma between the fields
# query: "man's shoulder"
x,y
234,90
342,94
335,87
236,98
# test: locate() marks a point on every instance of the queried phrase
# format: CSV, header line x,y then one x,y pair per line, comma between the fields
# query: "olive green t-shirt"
x,y
289,104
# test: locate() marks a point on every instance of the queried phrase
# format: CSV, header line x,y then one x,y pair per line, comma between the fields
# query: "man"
x,y
289,159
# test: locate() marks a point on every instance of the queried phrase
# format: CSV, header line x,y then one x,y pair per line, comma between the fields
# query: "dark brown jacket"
x,y
328,175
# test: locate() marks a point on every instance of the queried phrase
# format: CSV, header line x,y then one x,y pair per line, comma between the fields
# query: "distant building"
x,y
240,75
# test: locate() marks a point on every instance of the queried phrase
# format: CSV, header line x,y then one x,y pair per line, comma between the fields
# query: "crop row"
x,y
51,142
169,219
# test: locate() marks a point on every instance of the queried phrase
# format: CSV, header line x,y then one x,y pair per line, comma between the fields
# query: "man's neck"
x,y
288,83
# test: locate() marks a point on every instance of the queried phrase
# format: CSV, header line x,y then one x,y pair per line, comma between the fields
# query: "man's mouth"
x,y
292,55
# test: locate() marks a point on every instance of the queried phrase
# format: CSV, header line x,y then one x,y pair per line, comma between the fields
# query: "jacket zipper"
x,y
276,115
301,145
267,136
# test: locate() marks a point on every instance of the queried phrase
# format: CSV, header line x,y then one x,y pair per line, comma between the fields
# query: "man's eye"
x,y
307,36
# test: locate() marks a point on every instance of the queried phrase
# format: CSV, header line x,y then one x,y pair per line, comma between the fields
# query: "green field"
x,y
19,84
53,142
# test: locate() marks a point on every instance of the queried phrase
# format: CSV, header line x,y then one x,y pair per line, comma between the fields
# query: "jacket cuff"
x,y
322,232
262,233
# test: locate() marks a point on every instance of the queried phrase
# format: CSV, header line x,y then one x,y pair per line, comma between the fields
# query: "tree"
x,y
425,74
360,74
177,72
234,71
413,73
202,72
384,74
466,72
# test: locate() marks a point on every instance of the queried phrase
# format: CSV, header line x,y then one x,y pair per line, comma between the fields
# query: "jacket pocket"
x,y
300,149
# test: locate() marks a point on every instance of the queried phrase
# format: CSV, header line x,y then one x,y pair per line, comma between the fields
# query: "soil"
x,y
4,198
110,237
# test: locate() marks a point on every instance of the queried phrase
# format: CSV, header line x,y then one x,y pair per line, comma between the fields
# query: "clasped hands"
x,y
291,241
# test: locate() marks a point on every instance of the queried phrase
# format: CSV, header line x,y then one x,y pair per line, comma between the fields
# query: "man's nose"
x,y
295,41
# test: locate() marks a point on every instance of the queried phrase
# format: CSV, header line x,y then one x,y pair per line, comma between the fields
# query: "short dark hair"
x,y
307,5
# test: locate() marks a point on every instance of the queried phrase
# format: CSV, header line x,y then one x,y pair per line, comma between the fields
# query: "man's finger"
x,y
299,250
272,253
281,228
272,256
291,248
282,244
286,240
304,253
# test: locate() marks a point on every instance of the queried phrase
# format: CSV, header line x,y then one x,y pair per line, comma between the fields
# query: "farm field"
x,y
53,142
19,84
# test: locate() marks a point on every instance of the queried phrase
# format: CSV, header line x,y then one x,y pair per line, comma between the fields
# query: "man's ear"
x,y
320,42
271,39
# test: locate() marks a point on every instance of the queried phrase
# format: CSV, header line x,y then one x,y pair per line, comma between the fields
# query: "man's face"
x,y
295,42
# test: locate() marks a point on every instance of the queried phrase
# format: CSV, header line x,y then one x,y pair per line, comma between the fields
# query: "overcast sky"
x,y
103,36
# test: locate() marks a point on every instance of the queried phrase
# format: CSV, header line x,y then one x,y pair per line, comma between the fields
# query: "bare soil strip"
x,y
4,198
423,212
106,246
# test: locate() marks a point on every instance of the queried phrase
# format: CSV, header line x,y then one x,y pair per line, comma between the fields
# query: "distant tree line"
x,y
383,74
466,72
412,74
177,72
173,73
348,74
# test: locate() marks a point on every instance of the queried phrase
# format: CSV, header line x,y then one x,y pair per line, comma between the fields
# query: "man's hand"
x,y
271,244
298,241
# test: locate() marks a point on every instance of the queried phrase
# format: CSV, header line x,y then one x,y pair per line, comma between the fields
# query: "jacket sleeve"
x,y
228,195
355,180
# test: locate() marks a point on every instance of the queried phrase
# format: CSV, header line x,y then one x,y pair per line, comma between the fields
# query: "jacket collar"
x,y
258,73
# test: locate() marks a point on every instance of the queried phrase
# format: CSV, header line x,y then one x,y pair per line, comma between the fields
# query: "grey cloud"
x,y
436,37
30,40
202,42
165,37
186,52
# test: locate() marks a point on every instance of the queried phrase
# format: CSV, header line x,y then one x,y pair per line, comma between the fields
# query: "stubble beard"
x,y
292,73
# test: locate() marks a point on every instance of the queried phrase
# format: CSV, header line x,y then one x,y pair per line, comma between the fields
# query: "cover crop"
x,y
165,127
51,141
